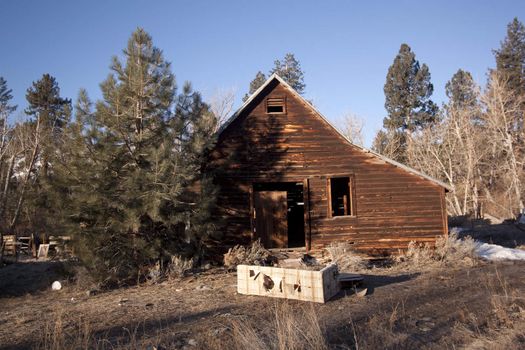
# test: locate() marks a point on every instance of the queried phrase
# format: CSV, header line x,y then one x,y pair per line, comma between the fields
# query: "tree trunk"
x,y
27,176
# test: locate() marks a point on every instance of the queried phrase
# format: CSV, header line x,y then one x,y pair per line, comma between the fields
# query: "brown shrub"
x,y
341,253
255,254
448,251
179,266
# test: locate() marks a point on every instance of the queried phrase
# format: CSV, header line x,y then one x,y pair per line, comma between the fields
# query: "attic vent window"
x,y
276,105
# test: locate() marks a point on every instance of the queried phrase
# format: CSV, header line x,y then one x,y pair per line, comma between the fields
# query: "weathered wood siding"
x,y
393,206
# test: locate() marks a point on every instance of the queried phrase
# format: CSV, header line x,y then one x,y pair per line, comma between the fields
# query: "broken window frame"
x,y
351,210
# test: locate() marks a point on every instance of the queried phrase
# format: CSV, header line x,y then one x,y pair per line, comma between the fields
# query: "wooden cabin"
x,y
290,178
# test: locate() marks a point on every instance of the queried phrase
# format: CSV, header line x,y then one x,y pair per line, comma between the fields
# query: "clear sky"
x,y
345,47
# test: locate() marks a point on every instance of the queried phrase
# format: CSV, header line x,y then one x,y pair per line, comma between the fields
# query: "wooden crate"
x,y
9,245
306,285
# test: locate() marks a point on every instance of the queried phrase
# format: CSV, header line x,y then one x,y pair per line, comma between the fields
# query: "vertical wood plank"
x,y
329,197
307,226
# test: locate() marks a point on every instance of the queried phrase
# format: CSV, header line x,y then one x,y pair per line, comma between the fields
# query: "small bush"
x,y
448,251
453,250
256,254
179,266
417,255
341,253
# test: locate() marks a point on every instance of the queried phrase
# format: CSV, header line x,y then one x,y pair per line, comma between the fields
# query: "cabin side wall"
x,y
393,206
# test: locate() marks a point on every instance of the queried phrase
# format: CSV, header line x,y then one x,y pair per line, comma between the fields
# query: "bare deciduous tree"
x,y
352,127
29,139
221,105
505,137
452,151
388,143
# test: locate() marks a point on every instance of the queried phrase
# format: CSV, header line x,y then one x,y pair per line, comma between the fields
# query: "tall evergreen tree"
x,y
51,111
5,97
133,192
256,83
45,103
290,70
461,90
407,92
510,58
49,114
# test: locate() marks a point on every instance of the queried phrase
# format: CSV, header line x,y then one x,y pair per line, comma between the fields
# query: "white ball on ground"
x,y
56,285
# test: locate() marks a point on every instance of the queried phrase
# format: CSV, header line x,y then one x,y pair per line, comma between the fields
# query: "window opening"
x,y
275,105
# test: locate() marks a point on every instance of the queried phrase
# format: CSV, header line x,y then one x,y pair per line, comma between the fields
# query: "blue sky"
x,y
345,47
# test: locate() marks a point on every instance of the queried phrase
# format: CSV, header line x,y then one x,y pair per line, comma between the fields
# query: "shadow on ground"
x,y
29,276
509,235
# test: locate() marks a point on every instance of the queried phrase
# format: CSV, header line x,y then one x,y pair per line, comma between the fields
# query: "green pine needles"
x,y
136,176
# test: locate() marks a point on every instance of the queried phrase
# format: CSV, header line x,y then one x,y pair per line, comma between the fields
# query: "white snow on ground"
x,y
497,252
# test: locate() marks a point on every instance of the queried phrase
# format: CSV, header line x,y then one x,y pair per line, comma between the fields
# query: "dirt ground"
x,y
406,307
472,307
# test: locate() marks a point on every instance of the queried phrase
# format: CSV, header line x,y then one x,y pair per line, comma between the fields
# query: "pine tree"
x,y
5,98
49,114
51,111
290,70
510,58
256,83
461,90
407,92
138,160
45,103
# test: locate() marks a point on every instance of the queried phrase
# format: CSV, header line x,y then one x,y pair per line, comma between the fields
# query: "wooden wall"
x,y
393,206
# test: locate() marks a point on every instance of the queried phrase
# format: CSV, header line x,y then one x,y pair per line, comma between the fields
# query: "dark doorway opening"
x,y
295,210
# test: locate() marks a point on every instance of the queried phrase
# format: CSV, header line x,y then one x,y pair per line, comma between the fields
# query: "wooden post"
x,y
307,228
252,215
329,196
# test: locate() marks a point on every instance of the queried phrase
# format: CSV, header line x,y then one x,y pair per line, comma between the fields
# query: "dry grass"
x,y
504,326
179,266
63,331
57,336
341,253
292,328
448,251
255,254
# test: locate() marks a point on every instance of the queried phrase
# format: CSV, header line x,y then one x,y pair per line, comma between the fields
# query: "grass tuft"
x,y
255,254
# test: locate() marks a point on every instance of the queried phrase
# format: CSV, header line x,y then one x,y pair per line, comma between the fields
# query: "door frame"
x,y
306,200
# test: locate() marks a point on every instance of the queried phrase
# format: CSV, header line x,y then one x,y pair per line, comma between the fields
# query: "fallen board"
x,y
349,280
43,250
306,285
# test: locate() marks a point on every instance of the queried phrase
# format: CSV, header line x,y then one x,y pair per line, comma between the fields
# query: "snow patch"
x,y
458,229
496,252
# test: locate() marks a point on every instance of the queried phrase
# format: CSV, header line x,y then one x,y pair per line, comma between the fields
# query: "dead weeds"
x,y
292,328
449,251
255,254
347,260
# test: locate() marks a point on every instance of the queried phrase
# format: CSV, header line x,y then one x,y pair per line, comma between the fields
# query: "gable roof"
x,y
301,98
